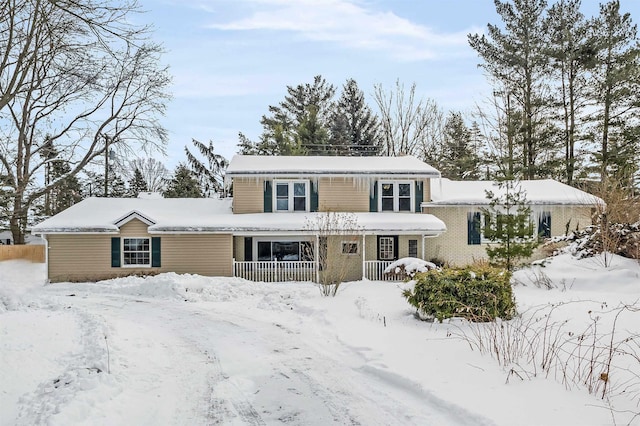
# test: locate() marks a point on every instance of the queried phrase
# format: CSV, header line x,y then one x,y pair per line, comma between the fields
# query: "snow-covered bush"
x,y
618,238
478,293
408,267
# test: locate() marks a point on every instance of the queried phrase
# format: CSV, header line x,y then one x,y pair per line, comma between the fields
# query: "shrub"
x,y
478,293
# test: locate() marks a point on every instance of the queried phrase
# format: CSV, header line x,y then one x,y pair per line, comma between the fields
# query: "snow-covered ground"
x,y
185,349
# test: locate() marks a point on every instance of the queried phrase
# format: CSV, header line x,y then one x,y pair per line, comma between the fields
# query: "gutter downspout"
x,y
46,258
364,255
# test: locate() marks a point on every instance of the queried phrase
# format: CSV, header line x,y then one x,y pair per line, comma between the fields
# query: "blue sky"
x,y
231,59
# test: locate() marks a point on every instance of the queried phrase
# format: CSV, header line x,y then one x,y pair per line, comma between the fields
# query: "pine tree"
x,y
210,173
459,158
137,184
615,85
508,225
299,124
572,56
355,130
64,189
515,57
183,184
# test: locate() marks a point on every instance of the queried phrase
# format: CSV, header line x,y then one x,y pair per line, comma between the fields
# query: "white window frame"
x,y
276,239
345,244
135,265
396,195
409,247
391,244
291,196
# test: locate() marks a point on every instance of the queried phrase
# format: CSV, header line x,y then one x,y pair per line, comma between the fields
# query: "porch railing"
x,y
275,271
374,271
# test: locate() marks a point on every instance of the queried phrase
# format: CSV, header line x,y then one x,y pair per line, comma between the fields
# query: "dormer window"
x,y
291,196
396,196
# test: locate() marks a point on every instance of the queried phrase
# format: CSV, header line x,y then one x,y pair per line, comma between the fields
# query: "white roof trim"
x,y
133,215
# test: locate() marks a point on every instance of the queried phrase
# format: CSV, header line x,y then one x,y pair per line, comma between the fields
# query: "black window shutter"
x,y
373,198
395,248
418,193
115,252
314,196
544,225
268,197
155,252
248,249
473,228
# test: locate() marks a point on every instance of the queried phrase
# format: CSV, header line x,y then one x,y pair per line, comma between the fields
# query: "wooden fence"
x,y
32,252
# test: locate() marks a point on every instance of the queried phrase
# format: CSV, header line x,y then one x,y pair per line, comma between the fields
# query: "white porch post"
x,y
316,258
423,247
364,256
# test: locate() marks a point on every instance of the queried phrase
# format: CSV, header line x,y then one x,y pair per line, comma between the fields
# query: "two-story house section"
x,y
360,212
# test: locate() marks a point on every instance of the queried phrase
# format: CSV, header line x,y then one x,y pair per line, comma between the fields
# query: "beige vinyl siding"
x,y
426,190
88,257
347,267
80,258
343,195
209,255
248,195
238,249
452,246
134,228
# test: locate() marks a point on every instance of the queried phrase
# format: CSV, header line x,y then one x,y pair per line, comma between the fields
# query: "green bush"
x,y
478,293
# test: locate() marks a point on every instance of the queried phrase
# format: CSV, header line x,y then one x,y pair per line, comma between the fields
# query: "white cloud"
x,y
350,24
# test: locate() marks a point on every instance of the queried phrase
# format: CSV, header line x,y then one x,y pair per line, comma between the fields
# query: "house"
x,y
290,218
556,209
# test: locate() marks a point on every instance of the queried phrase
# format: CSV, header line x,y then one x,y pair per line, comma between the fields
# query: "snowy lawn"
x,y
185,349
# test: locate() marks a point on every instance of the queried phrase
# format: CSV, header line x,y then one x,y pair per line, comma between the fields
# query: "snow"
x,y
185,349
544,191
410,266
215,216
250,165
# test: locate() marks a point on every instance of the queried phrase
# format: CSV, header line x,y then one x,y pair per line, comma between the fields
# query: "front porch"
x,y
278,271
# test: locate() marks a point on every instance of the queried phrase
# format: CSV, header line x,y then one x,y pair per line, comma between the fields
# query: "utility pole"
x,y
106,165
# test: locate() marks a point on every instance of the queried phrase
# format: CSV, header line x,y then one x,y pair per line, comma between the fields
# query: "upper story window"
x,y
291,196
396,196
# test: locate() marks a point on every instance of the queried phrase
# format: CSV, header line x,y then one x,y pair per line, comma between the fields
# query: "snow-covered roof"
x,y
446,192
253,165
206,215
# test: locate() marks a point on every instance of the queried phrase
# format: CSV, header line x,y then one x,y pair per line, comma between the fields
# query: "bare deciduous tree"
x,y
409,125
79,75
154,172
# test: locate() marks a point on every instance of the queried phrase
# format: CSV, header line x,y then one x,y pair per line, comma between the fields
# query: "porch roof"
x,y
180,215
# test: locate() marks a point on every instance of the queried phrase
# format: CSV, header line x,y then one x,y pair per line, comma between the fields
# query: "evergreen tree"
x,y
183,184
210,173
508,225
312,135
299,124
354,128
615,85
137,184
572,56
63,189
246,146
459,158
515,57
116,185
